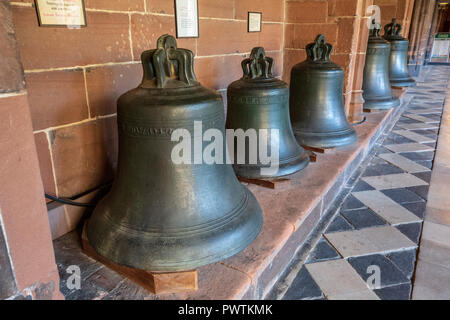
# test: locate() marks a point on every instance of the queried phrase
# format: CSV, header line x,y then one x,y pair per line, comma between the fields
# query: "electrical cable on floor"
x,y
74,203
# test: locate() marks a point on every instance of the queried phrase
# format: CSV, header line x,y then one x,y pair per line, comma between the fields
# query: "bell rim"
x,y
250,216
382,104
286,169
403,82
327,139
194,264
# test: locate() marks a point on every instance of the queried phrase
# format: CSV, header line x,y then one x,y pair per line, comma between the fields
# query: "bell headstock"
x,y
167,63
319,50
258,65
375,29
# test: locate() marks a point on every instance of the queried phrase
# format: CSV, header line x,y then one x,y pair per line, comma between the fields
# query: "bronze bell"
x,y
163,216
317,104
398,62
377,91
260,101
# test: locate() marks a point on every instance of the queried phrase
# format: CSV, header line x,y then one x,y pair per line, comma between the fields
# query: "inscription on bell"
x,y
378,51
140,131
260,100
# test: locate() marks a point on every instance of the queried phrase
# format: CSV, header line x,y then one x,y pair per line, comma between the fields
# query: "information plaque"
x,y
186,17
254,21
57,13
441,48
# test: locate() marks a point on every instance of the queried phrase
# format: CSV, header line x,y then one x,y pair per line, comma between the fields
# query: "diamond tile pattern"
x,y
323,251
369,241
403,163
422,118
414,136
345,280
386,208
419,126
303,287
394,181
364,218
408,147
389,273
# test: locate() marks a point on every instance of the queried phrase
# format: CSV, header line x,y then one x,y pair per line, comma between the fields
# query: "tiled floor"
x,y
377,229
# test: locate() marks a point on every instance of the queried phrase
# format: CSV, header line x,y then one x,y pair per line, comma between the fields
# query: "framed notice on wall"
x,y
254,21
186,18
441,48
61,13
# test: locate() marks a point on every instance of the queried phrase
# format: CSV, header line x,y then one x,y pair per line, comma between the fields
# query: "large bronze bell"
x,y
377,91
162,216
260,101
317,104
398,63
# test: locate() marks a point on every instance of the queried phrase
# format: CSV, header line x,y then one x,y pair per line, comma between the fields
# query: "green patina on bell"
x,y
398,61
260,101
317,103
377,91
162,216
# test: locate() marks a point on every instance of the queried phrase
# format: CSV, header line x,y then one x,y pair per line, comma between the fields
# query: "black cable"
x,y
74,203
361,122
69,202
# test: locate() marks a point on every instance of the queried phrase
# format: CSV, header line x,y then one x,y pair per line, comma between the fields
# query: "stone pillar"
x,y
27,263
419,33
355,112
433,30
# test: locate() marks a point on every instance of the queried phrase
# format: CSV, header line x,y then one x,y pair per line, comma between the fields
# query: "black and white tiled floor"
x,y
380,222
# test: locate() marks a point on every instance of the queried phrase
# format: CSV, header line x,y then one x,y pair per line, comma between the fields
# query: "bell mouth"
x,y
381,103
327,139
185,249
286,167
404,82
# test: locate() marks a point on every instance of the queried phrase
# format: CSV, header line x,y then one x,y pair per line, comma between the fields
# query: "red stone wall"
x,y
75,76
400,9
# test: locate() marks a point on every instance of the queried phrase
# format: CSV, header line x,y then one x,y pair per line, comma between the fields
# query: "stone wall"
x,y
75,76
399,9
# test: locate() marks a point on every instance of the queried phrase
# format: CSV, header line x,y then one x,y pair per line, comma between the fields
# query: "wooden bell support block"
x,y
374,110
279,183
399,92
317,149
312,156
268,183
155,282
